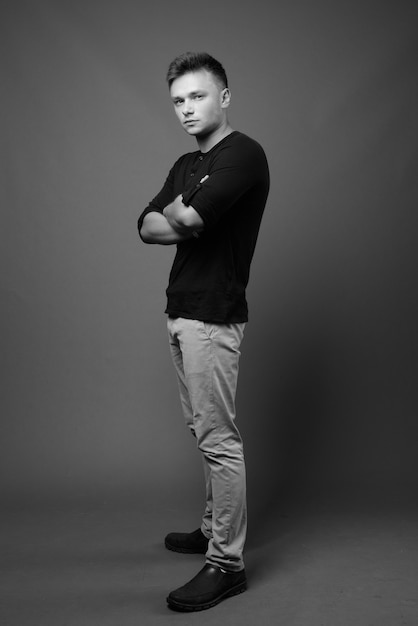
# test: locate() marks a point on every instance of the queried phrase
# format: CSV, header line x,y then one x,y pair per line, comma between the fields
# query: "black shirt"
x,y
210,273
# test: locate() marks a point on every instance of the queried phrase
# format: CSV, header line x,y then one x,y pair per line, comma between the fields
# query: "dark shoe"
x,y
188,543
211,585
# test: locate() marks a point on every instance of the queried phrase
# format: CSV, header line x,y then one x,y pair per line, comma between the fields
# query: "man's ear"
x,y
225,98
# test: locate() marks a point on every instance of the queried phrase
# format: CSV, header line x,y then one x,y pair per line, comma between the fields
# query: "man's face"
x,y
200,102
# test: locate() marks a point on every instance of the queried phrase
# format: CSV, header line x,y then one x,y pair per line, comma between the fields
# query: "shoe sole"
x,y
169,546
189,608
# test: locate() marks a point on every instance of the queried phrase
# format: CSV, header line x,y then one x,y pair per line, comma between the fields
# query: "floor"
x,y
103,563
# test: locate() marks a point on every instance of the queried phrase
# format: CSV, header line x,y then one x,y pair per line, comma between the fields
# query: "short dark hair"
x,y
194,61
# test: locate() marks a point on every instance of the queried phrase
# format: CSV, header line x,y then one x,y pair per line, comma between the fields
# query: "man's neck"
x,y
209,141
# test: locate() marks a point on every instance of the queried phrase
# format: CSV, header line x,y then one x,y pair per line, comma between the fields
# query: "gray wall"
x,y
327,393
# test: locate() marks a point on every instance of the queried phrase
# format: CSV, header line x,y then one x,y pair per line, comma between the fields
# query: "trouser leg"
x,y
206,526
206,358
177,357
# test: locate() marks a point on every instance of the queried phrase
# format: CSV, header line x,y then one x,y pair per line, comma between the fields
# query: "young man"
x,y
210,206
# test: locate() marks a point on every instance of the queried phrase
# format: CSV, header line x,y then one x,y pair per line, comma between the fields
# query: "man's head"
x,y
200,94
193,62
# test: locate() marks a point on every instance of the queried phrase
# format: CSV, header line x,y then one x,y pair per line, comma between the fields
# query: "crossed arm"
x,y
176,223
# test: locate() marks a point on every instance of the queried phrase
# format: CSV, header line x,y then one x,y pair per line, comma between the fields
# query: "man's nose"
x,y
187,107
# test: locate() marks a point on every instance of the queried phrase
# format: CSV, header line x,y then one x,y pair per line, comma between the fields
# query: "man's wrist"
x,y
171,215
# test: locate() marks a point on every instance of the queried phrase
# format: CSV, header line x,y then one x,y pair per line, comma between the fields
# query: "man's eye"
x,y
198,96
177,103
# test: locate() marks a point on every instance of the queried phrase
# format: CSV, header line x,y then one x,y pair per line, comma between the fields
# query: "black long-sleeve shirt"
x,y
210,273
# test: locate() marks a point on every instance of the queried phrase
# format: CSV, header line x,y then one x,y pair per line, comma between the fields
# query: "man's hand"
x,y
177,223
183,219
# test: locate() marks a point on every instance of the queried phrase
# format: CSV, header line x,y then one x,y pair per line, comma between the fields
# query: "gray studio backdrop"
x,y
327,394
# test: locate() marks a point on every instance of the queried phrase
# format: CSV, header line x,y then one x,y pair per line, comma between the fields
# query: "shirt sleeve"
x,y
164,197
235,169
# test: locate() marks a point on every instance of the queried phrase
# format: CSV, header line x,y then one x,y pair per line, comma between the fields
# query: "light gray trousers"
x,y
206,356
